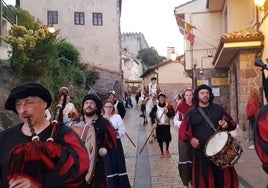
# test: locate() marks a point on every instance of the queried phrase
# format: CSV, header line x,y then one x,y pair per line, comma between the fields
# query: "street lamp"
x,y
51,29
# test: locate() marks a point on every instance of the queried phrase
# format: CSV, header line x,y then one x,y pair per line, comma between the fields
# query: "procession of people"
x,y
85,149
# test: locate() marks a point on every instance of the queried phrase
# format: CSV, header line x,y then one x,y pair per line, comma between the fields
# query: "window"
x,y
52,17
79,18
97,18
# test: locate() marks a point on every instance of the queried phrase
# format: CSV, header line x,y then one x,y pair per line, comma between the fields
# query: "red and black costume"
x,y
105,138
71,167
260,131
185,149
205,172
261,137
63,162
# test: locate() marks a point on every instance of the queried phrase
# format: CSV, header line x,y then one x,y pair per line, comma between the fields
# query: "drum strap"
x,y
206,118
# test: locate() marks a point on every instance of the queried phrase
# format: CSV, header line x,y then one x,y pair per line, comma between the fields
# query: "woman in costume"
x,y
185,149
115,160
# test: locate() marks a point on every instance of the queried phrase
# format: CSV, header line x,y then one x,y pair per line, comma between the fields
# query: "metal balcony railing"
x,y
8,13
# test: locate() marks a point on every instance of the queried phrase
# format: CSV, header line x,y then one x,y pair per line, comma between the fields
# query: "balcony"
x,y
8,14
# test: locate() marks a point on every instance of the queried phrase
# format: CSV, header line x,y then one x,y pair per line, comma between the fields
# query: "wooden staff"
x,y
154,127
147,139
130,140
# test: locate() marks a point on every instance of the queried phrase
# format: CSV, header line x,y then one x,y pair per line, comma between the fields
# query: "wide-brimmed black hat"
x,y
26,90
97,101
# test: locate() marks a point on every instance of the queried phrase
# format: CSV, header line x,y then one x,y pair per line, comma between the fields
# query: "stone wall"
x,y
171,89
109,80
248,76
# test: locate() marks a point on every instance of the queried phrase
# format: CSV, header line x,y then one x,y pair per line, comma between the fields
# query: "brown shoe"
x,y
168,154
162,155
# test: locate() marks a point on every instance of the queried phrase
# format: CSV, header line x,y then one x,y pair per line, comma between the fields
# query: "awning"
x,y
232,43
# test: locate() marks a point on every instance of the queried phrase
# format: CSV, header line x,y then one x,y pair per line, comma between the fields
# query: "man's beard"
x,y
90,114
205,100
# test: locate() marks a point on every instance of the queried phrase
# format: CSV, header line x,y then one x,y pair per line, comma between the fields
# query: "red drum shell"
x,y
222,149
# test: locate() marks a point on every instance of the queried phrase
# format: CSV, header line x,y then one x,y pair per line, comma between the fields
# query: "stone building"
x,y
171,77
93,27
227,41
132,67
8,18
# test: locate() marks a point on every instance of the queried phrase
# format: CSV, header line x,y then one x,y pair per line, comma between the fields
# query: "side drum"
x,y
223,149
87,134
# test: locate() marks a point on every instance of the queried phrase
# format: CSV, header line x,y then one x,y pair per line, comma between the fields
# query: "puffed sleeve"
x,y
185,131
72,166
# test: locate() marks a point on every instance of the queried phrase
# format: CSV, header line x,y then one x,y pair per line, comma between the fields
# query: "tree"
x,y
38,55
149,56
24,18
33,51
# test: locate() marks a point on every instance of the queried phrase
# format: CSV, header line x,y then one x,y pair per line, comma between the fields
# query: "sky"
x,y
10,2
155,19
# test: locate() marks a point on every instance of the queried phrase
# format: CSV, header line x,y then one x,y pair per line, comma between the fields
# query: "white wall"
x,y
98,45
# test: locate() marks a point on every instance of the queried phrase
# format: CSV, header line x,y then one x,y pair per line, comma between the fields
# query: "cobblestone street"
x,y
147,169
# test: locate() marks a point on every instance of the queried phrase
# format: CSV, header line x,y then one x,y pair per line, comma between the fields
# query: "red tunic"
x,y
70,169
106,137
253,107
205,172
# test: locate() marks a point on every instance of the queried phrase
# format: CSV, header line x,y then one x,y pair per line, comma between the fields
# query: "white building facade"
x,y
93,27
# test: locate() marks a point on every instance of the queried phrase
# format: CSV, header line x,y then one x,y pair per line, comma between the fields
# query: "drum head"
x,y
91,146
216,143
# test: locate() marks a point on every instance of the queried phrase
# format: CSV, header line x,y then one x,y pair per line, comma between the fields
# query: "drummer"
x,y
196,130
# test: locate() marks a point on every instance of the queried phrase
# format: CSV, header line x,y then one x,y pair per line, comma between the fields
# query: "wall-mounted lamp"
x,y
260,4
51,29
173,56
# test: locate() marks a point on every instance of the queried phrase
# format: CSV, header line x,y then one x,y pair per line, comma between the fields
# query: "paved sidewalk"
x,y
147,169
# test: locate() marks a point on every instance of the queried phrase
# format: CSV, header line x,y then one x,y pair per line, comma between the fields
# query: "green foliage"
x,y
34,52
149,56
38,55
68,53
24,18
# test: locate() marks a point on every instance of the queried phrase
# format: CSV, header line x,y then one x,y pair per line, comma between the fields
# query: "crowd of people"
x,y
39,152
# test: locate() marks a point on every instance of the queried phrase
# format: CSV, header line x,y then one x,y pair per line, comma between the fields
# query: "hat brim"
x,y
27,90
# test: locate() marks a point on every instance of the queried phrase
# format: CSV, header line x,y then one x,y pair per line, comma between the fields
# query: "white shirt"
x,y
118,125
68,108
48,114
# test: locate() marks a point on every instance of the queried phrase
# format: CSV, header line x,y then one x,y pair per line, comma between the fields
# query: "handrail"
x,y
8,13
